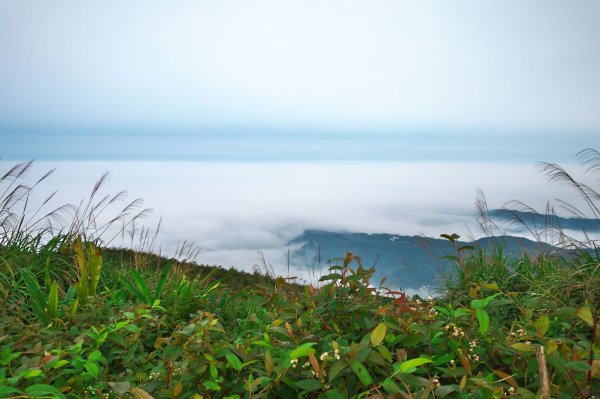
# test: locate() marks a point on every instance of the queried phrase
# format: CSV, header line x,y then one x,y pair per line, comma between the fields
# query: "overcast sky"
x,y
309,80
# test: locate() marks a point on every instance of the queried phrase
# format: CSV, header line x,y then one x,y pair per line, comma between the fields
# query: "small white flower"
x,y
324,356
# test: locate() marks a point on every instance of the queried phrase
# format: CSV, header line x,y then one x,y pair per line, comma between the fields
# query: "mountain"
x,y
540,220
408,262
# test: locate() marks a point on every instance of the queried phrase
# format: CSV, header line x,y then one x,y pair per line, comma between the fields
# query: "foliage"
x,y
80,320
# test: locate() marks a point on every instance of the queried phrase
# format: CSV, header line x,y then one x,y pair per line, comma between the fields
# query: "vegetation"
x,y
79,319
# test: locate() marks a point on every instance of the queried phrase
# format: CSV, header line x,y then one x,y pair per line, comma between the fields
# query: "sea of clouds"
x,y
243,214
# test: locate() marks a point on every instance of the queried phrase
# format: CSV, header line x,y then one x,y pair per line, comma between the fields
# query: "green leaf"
x,y
407,366
142,286
213,386
361,372
337,368
585,314
443,359
390,386
37,297
120,388
385,352
92,369
302,350
335,394
523,347
214,372
309,385
484,320
6,392
37,390
482,303
161,282
579,365
32,373
53,301
542,324
378,334
234,361
332,276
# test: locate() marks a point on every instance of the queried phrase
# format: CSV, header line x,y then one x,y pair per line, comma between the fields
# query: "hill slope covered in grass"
x,y
79,319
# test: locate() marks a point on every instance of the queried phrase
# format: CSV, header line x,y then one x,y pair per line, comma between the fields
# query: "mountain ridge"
x,y
407,262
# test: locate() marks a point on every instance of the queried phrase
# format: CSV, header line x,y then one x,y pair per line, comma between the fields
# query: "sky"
x,y
462,81
245,122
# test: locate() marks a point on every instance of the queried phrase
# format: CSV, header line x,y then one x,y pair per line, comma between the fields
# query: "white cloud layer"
x,y
233,210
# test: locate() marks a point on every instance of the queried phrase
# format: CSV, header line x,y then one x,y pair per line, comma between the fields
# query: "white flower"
x,y
324,356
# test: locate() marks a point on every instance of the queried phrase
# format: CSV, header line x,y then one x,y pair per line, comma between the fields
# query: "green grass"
x,y
79,319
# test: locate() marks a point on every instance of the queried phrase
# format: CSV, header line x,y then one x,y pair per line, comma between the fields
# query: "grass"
x,y
81,319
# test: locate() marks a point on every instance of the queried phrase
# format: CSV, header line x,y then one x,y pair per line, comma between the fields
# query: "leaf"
x,y
234,361
92,369
482,303
484,320
53,301
585,314
44,390
523,347
141,394
390,386
142,286
213,386
268,362
309,385
463,383
37,297
7,391
302,350
332,276
443,359
378,334
385,352
337,368
177,389
579,365
412,363
595,368
361,372
506,377
32,373
120,388
542,324
161,282
335,394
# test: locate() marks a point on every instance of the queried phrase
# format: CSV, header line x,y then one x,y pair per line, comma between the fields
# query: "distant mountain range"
x,y
541,220
408,262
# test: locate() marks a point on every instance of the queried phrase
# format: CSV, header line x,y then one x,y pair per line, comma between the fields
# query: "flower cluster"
x,y
456,331
154,376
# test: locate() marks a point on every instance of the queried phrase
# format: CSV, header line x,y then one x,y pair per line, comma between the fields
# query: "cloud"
x,y
232,210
